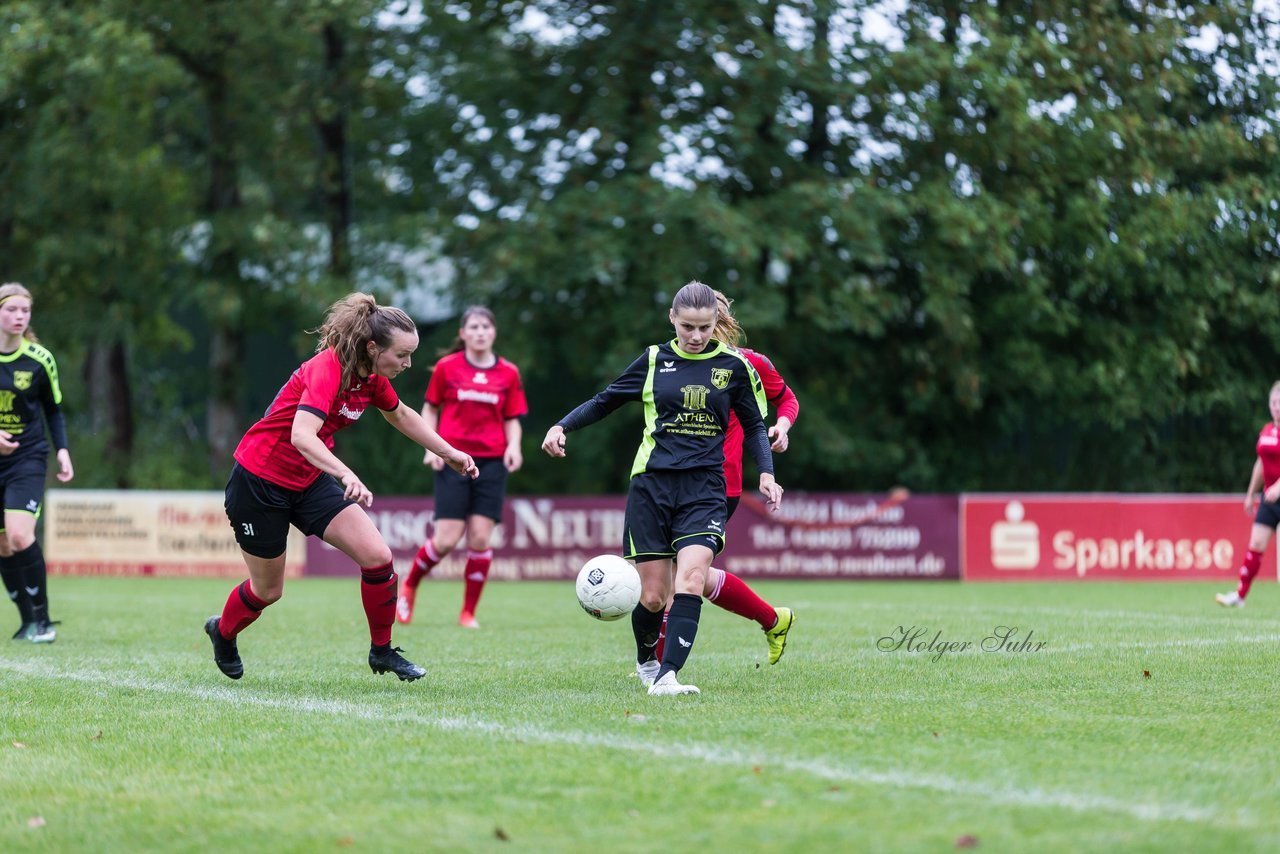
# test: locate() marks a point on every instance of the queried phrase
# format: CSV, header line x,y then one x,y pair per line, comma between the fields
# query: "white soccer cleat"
x,y
1230,600
648,671
668,686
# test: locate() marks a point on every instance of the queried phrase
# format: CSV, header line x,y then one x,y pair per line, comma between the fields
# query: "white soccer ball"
x,y
608,587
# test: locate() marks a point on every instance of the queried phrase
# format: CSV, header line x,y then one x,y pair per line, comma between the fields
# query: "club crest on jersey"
x,y
22,379
720,377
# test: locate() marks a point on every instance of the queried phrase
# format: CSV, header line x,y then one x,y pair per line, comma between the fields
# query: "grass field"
x,y
1146,722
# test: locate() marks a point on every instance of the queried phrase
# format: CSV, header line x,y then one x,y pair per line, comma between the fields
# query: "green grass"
x,y
530,735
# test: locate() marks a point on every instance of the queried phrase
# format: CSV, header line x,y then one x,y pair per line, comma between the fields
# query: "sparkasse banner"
x,y
1105,537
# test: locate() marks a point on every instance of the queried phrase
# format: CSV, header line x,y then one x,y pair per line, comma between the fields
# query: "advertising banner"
x,y
117,532
838,535
1105,537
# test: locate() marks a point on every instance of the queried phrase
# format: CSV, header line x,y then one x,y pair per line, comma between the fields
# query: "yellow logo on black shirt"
x,y
22,379
720,377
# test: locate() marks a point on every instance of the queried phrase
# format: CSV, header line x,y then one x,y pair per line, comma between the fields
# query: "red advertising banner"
x,y
838,535
1104,537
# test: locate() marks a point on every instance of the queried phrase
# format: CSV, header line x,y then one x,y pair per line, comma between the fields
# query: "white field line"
x,y
709,754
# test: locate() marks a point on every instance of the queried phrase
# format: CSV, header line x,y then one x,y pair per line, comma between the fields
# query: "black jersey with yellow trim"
x,y
30,400
687,399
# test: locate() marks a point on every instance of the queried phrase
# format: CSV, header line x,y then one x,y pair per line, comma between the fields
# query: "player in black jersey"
x,y
676,508
30,400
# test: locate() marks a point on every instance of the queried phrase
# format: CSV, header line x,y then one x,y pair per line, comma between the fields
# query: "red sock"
x,y
734,595
662,637
242,608
378,593
476,573
1252,563
423,562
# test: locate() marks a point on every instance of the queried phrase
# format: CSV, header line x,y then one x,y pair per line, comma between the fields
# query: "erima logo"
x,y
476,576
667,367
33,505
684,643
480,378
713,524
31,591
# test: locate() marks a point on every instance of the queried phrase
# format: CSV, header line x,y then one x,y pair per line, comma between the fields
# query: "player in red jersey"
x,y
475,399
286,472
722,587
1265,477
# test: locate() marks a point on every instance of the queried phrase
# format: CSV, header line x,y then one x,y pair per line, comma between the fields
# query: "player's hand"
x,y
1250,504
778,433
464,465
65,471
1272,493
354,490
772,492
513,459
8,444
434,460
553,444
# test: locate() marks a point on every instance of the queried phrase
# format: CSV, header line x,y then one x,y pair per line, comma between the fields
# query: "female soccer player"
x,y
286,472
30,398
723,588
1265,477
475,399
676,511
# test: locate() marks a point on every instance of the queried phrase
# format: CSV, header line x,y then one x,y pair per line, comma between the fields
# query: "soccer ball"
x,y
608,587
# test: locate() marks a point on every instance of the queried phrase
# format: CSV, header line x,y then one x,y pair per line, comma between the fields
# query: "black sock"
x,y
682,628
646,625
12,574
33,575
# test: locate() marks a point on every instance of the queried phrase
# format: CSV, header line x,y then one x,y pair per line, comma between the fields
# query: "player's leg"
x,y
656,576
23,501
353,533
646,541
730,592
476,572
1264,524
484,512
452,500
12,576
692,562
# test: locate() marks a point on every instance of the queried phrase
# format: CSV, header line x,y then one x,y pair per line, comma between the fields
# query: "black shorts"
x,y
1268,514
667,511
260,511
458,497
731,505
22,483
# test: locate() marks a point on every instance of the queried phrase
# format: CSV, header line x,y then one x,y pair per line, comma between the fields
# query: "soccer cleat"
x,y
777,636
43,632
225,653
468,620
389,659
667,686
648,671
404,604
1230,600
25,631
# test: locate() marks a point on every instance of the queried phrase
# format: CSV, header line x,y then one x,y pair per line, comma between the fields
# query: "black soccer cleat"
x,y
25,631
225,654
389,659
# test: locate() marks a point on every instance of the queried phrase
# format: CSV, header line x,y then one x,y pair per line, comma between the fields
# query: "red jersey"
x,y
1269,452
780,397
475,403
267,450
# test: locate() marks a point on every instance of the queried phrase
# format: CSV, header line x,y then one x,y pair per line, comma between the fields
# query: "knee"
x,y
378,556
653,600
270,595
20,541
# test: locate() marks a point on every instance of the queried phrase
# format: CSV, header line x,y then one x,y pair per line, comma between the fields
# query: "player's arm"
x,y
513,459
431,416
50,397
626,387
783,400
749,403
305,436
413,425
